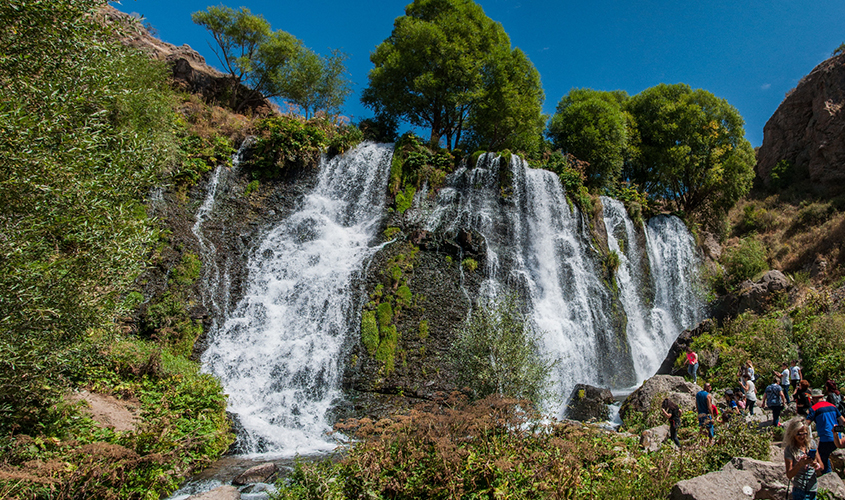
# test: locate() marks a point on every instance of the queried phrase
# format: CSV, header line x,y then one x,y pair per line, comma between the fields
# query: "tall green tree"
x,y
691,149
507,116
592,125
445,60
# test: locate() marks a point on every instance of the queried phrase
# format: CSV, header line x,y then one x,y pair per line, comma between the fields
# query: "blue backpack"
x,y
773,395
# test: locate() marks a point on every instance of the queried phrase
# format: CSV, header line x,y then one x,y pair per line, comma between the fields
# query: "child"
x,y
732,407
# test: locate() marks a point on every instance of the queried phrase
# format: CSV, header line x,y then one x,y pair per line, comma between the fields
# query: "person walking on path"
x,y
801,461
783,375
775,400
692,362
704,406
795,375
672,412
826,416
750,394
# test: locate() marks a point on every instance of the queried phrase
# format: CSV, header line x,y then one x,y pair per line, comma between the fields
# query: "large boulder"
x,y
675,388
589,403
754,296
808,128
746,478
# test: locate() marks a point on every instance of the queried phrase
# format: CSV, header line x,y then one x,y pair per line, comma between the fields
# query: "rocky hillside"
x,y
808,129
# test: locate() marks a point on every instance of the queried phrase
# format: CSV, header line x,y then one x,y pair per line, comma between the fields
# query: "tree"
x,y
442,62
592,126
497,351
691,149
507,116
313,82
274,63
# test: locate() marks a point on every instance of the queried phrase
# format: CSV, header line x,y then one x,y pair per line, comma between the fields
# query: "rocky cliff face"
x,y
808,129
190,71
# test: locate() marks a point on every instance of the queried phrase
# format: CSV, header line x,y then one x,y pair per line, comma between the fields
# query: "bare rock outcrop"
x,y
220,493
675,388
808,128
190,70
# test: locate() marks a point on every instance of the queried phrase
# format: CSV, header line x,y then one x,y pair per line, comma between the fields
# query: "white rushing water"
x,y
540,247
657,274
279,350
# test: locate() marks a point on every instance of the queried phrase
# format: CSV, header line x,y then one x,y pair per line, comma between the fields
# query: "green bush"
x,y
497,351
744,262
285,141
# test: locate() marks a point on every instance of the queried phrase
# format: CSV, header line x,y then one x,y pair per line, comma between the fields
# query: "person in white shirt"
x,y
795,375
784,379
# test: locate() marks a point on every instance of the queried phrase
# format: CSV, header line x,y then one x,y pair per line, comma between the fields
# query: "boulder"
x,y
675,388
589,403
258,474
741,478
808,129
652,439
719,485
220,493
754,296
833,485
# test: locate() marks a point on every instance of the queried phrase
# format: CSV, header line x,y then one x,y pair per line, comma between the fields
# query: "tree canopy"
x,y
593,126
682,146
449,67
274,63
690,148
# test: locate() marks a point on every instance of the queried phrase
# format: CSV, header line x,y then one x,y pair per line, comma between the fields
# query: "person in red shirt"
x,y
692,361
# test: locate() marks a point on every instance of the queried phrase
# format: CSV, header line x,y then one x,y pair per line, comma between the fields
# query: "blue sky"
x,y
748,52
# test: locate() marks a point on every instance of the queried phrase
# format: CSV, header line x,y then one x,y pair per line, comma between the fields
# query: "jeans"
x,y
785,392
693,371
803,495
673,434
750,405
776,414
825,449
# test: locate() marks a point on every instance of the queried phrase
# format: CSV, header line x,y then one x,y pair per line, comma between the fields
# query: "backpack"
x,y
773,396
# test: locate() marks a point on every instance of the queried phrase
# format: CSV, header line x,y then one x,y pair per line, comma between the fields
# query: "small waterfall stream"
x,y
278,351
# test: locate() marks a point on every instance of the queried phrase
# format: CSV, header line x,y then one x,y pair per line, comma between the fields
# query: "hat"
x,y
817,393
729,393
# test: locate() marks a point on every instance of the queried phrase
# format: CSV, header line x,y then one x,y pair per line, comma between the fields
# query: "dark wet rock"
x,y
679,347
258,474
589,403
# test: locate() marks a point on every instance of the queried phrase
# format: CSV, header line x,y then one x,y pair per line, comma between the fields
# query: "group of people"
x,y
805,458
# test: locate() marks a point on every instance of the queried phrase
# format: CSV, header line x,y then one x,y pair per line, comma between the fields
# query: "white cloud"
x,y
766,86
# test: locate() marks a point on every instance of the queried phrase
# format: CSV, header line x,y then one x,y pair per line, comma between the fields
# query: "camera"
x,y
839,428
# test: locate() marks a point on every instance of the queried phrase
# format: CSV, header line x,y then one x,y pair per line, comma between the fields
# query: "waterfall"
x,y
278,352
656,277
540,246
215,280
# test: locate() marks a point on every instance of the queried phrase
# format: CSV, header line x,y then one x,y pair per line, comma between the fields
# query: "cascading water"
x,y
278,352
215,279
540,246
656,276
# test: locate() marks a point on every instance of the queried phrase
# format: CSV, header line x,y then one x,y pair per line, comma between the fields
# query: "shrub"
x,y
287,141
744,262
497,351
470,264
